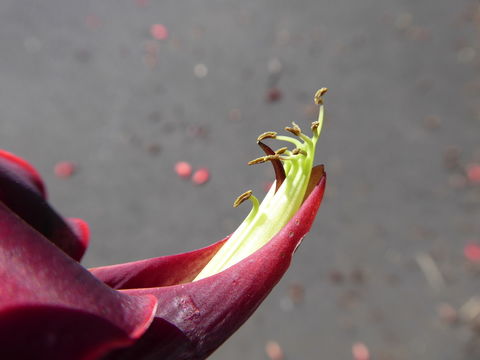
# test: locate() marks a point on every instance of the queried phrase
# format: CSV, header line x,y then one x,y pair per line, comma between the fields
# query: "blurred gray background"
x,y
87,82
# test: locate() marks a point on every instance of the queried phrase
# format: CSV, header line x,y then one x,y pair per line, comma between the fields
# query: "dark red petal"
x,y
156,272
81,229
34,272
208,311
22,190
56,333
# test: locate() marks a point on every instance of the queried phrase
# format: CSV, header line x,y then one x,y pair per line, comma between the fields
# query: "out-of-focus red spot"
x,y
273,95
201,176
472,252
183,169
64,169
159,31
473,173
141,3
274,351
93,22
360,351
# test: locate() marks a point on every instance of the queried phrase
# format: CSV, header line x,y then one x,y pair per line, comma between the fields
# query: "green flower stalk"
x,y
292,171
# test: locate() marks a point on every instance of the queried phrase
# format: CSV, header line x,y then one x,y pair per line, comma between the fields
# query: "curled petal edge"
x,y
22,190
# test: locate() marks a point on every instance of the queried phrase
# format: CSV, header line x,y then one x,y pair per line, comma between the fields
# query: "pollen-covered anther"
x,y
299,151
318,97
281,150
315,125
294,129
267,135
245,196
263,159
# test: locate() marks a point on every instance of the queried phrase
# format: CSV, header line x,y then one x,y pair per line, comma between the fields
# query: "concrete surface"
x,y
85,81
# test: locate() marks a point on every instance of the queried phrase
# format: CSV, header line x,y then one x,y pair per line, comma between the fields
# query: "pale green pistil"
x,y
278,207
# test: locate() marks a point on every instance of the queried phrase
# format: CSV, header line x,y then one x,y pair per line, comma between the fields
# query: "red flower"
x,y
175,307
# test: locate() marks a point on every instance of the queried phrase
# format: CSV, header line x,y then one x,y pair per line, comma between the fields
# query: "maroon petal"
x,y
47,332
157,272
208,311
39,278
22,190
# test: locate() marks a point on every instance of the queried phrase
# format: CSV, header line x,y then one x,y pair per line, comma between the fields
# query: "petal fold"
x,y
22,190
39,277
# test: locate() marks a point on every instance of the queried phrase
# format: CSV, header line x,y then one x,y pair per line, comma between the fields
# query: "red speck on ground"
x,y
183,169
93,22
473,173
360,351
64,169
273,95
274,351
201,176
472,252
159,31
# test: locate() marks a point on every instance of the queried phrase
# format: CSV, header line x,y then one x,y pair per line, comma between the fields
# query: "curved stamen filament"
x,y
289,139
248,195
297,131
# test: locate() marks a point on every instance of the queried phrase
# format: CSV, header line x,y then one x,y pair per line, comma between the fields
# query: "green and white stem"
x,y
292,170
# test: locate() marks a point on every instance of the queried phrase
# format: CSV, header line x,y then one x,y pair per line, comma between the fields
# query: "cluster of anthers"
x,y
292,174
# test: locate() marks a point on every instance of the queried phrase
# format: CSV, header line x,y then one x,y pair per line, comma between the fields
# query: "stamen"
x,y
295,129
245,196
264,159
281,150
317,125
256,161
317,98
267,135
299,151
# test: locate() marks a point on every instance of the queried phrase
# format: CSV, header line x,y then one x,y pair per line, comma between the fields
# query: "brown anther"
x,y
295,129
267,135
245,196
272,157
297,151
257,160
315,125
317,98
281,150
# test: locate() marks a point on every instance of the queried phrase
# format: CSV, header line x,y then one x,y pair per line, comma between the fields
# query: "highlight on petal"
x,y
22,190
81,229
23,171
39,278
